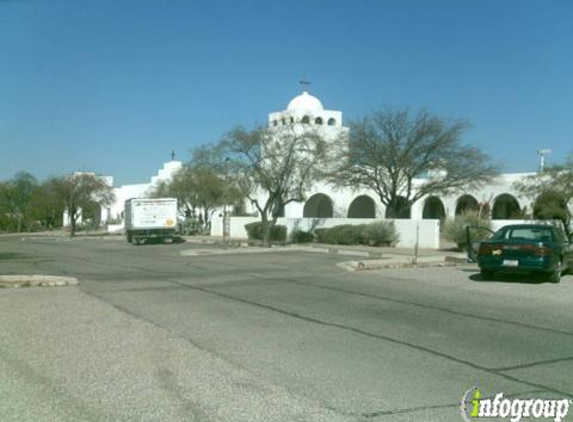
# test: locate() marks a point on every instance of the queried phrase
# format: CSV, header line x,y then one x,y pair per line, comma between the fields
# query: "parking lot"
x,y
152,333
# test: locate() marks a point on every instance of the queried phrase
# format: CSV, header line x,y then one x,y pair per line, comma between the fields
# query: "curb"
x,y
36,281
375,264
238,248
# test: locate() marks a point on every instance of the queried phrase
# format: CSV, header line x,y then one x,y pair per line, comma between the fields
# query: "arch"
x,y
331,121
291,120
318,121
399,208
305,120
550,205
433,208
466,203
505,207
283,122
278,211
318,206
362,207
275,122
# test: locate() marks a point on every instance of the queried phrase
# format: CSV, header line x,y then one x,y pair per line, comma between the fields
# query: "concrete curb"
x,y
35,280
378,264
244,249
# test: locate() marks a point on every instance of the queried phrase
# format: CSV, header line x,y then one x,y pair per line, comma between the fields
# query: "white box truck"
x,y
147,219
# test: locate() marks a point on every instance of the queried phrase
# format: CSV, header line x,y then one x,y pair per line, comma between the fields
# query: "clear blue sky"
x,y
113,86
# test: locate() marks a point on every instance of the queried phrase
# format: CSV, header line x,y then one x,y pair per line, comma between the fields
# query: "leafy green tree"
x,y
404,157
80,191
46,206
15,199
203,184
274,167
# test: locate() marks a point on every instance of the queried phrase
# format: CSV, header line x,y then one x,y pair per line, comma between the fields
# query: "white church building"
x,y
327,206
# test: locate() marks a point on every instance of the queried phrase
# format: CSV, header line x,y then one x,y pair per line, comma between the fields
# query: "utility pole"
x,y
226,222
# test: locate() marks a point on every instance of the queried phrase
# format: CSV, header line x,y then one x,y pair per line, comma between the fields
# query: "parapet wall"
x,y
427,231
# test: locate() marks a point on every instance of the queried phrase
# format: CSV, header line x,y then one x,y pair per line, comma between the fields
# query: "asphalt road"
x,y
151,335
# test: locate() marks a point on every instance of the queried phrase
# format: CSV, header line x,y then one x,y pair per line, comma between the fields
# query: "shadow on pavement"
x,y
510,278
159,241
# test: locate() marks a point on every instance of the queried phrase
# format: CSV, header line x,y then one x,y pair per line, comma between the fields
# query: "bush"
x,y
300,236
255,232
341,235
380,233
455,230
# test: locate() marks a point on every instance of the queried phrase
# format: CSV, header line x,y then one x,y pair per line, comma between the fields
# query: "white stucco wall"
x,y
139,190
428,231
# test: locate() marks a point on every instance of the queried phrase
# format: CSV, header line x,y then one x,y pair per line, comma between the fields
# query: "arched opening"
x,y
466,203
362,207
331,121
278,211
551,205
398,208
318,121
283,122
505,207
291,120
318,206
434,209
275,123
305,120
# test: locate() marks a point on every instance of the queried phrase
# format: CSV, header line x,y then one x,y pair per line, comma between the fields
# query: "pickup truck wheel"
x,y
555,276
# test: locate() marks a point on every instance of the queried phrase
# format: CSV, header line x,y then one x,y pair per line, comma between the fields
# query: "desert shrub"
x,y
323,236
344,234
300,236
380,233
255,232
455,230
348,234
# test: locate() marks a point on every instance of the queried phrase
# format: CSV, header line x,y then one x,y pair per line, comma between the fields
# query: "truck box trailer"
x,y
147,219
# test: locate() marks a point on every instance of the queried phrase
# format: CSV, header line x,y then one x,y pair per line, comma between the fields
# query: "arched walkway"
x,y
433,208
318,206
505,207
362,207
466,203
399,209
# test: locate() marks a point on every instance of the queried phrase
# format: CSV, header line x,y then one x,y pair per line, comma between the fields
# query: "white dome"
x,y
305,101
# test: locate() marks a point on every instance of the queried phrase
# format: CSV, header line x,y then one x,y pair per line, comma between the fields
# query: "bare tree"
x,y
79,191
403,158
274,166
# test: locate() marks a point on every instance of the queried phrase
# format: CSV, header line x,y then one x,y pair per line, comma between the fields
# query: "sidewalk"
x,y
372,257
